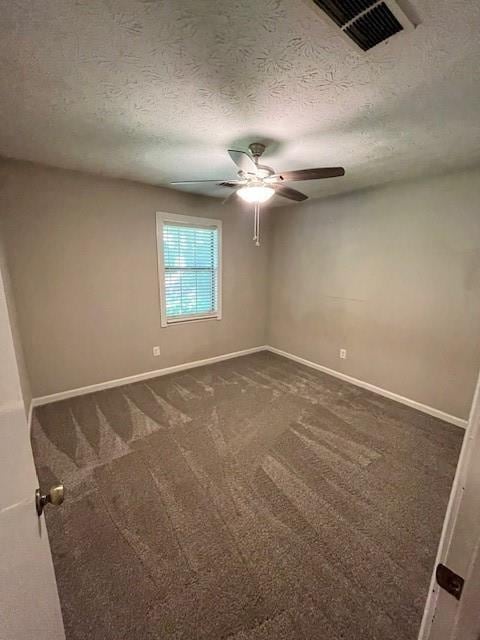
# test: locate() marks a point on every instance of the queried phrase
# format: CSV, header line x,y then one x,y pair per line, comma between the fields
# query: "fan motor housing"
x,y
256,149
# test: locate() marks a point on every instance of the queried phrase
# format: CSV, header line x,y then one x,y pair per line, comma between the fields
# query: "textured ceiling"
x,y
156,90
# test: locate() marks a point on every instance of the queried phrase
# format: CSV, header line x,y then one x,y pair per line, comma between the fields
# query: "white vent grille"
x,y
366,22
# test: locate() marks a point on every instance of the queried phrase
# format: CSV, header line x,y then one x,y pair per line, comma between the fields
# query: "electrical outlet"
x,y
343,354
156,351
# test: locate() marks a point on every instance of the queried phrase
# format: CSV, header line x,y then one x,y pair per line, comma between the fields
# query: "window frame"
x,y
163,218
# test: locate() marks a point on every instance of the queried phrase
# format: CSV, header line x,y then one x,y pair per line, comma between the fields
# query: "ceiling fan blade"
x,y
243,160
223,182
287,192
231,183
311,174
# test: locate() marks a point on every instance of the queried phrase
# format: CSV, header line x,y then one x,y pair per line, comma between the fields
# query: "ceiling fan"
x,y
257,183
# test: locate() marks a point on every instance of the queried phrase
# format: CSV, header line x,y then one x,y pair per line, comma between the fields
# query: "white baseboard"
x,y
109,384
458,422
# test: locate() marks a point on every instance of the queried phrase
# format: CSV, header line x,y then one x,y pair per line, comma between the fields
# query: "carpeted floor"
x,y
254,499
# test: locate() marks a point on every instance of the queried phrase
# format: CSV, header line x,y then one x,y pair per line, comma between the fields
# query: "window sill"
x,y
172,323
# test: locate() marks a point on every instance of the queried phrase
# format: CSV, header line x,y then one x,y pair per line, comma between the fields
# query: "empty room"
x,y
239,320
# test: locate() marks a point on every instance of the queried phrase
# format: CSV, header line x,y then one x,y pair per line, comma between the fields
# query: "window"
x,y
189,266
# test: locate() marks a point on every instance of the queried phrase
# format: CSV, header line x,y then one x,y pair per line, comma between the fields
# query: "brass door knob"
x,y
55,496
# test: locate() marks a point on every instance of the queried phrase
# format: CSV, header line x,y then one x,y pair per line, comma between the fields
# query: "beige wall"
x,y
82,257
393,276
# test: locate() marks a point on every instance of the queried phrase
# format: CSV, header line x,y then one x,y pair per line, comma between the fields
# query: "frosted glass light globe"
x,y
256,193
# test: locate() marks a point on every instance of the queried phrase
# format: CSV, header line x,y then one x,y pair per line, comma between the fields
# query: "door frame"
x,y
29,602
456,615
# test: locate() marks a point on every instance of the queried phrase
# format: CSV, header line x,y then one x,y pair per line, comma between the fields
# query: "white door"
x,y
445,616
29,605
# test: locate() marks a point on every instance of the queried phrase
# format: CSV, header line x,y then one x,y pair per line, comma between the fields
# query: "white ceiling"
x,y
157,90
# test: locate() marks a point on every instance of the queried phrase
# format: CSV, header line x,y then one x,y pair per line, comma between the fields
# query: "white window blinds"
x,y
190,270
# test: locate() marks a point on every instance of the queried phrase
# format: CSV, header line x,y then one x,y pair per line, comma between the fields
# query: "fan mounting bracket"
x,y
256,149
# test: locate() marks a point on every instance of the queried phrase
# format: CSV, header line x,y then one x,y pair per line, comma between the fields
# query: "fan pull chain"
x,y
256,224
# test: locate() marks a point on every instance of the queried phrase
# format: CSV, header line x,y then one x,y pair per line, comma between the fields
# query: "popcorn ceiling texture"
x,y
156,90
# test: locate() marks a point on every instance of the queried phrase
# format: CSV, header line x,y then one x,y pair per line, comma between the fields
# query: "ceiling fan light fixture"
x,y
256,193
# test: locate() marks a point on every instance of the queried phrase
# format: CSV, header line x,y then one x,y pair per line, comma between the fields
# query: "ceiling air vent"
x,y
366,22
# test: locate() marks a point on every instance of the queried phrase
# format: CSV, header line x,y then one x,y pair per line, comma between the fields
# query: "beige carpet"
x,y
250,499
